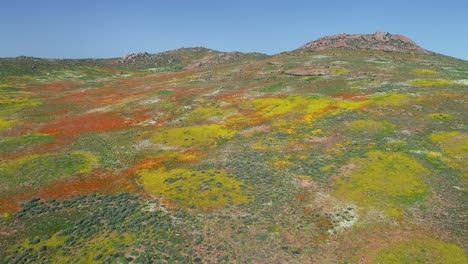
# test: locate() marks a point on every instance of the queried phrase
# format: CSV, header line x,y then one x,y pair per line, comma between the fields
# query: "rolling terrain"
x,y
349,149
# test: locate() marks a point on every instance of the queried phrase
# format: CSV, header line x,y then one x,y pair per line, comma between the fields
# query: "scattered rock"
x,y
25,58
220,58
418,107
142,58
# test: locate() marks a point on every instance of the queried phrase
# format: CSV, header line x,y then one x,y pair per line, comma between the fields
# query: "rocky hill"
x,y
377,41
347,154
188,58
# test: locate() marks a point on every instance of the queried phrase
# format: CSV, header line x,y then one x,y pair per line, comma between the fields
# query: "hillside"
x,y
350,149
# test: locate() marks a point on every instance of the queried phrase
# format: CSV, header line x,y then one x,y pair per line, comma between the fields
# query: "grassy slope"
x,y
235,162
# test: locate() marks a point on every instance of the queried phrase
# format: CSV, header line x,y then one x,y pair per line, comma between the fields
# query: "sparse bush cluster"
x,y
126,226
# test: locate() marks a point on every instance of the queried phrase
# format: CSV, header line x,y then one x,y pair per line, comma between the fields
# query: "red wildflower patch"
x,y
51,87
87,97
189,91
232,95
352,96
193,155
141,114
90,122
330,108
149,163
9,205
301,196
99,181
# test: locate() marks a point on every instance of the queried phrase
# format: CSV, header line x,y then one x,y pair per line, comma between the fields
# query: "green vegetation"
x,y
311,78
114,149
14,144
34,170
97,228
274,87
225,159
370,126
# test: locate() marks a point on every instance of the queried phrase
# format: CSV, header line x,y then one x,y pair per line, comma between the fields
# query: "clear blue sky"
x,y
113,28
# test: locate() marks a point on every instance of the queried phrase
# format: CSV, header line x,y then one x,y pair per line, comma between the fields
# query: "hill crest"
x,y
377,41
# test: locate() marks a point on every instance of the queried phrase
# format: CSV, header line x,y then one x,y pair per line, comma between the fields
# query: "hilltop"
x,y
186,58
378,41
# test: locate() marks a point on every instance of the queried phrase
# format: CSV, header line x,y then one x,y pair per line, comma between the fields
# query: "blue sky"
x,y
101,28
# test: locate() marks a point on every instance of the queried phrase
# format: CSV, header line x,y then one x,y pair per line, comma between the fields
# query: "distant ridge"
x,y
378,41
187,58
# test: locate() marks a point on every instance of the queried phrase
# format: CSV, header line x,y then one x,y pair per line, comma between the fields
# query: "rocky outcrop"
x,y
377,41
144,58
186,58
223,57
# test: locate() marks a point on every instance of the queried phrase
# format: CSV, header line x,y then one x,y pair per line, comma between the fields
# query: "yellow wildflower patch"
x,y
203,135
430,82
389,99
441,116
339,71
5,123
281,164
205,190
308,108
370,126
270,107
383,180
213,113
454,146
422,251
12,101
92,248
425,71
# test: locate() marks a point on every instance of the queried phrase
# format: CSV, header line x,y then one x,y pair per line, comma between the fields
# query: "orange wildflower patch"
x,y
90,122
99,181
87,97
169,157
187,91
51,87
168,204
302,196
149,163
119,97
352,96
9,205
231,95
245,119
140,114
330,108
